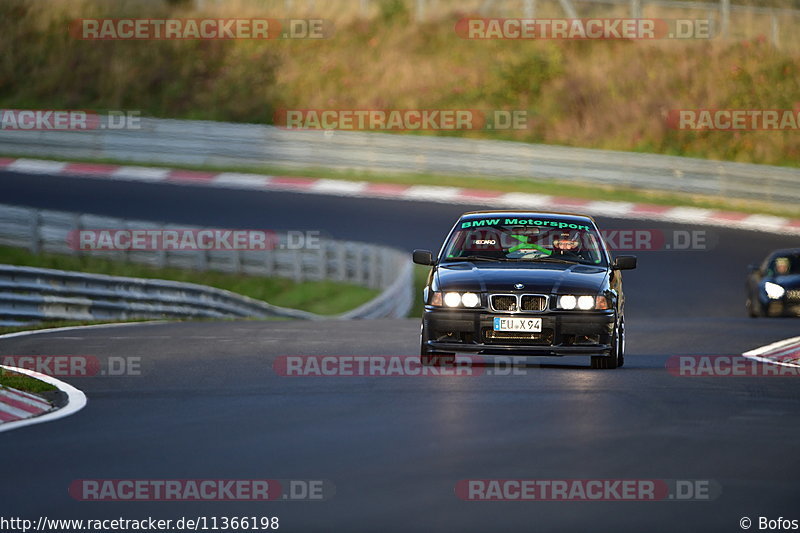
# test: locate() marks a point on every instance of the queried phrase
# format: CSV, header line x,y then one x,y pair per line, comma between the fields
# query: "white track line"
x,y
76,400
339,187
763,353
72,328
773,347
37,166
140,174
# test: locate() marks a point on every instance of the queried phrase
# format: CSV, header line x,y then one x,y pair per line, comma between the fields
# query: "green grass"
x,y
420,278
322,297
548,187
23,382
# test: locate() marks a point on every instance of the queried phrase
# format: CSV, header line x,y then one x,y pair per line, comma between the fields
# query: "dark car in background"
x,y
524,283
773,288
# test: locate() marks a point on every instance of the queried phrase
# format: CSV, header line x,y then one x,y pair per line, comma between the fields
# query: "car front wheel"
x,y
617,357
753,308
429,358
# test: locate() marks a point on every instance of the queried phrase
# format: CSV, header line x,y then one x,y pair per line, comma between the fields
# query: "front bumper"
x,y
782,307
563,333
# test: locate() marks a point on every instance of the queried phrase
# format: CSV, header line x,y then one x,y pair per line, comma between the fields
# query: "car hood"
x,y
787,282
546,278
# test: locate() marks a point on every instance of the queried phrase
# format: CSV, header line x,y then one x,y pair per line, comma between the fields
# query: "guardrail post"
x,y
77,226
36,244
269,262
389,268
636,9
298,266
568,8
774,36
359,270
341,262
529,9
486,7
322,260
161,257
201,260
725,15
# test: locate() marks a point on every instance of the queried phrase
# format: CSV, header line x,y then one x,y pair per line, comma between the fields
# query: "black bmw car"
x,y
524,283
773,288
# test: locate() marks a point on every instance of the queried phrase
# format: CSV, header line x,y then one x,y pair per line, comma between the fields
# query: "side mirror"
x,y
423,257
624,262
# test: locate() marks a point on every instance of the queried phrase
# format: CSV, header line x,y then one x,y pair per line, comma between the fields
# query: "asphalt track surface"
x,y
210,405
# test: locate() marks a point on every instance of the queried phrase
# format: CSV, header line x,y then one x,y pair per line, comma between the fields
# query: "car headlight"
x,y
567,301
584,302
452,299
774,291
470,299
455,299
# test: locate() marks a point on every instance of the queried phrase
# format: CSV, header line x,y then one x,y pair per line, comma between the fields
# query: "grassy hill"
x,y
600,94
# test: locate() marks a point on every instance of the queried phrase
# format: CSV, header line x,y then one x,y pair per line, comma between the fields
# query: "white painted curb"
x,y
766,354
414,193
76,400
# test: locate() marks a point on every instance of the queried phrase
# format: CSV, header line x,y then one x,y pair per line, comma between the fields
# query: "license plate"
x,y
518,324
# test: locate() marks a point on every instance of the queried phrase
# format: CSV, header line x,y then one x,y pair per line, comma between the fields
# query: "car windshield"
x,y
525,240
785,265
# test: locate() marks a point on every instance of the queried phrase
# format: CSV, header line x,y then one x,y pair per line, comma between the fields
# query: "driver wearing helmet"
x,y
568,246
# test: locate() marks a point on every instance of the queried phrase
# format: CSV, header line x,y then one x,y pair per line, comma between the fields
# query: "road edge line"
x,y
761,353
76,400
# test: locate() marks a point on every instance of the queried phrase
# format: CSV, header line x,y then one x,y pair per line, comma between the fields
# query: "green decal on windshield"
x,y
523,222
524,245
481,222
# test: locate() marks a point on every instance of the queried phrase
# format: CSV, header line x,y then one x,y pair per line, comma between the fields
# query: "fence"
x,y
44,294
735,21
241,145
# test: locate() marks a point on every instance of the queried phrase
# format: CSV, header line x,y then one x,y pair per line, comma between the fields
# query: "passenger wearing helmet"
x,y
568,246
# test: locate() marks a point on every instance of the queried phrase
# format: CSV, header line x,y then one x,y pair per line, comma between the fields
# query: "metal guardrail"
x,y
42,294
241,145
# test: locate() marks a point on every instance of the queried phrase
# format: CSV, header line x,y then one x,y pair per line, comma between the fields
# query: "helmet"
x,y
567,242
